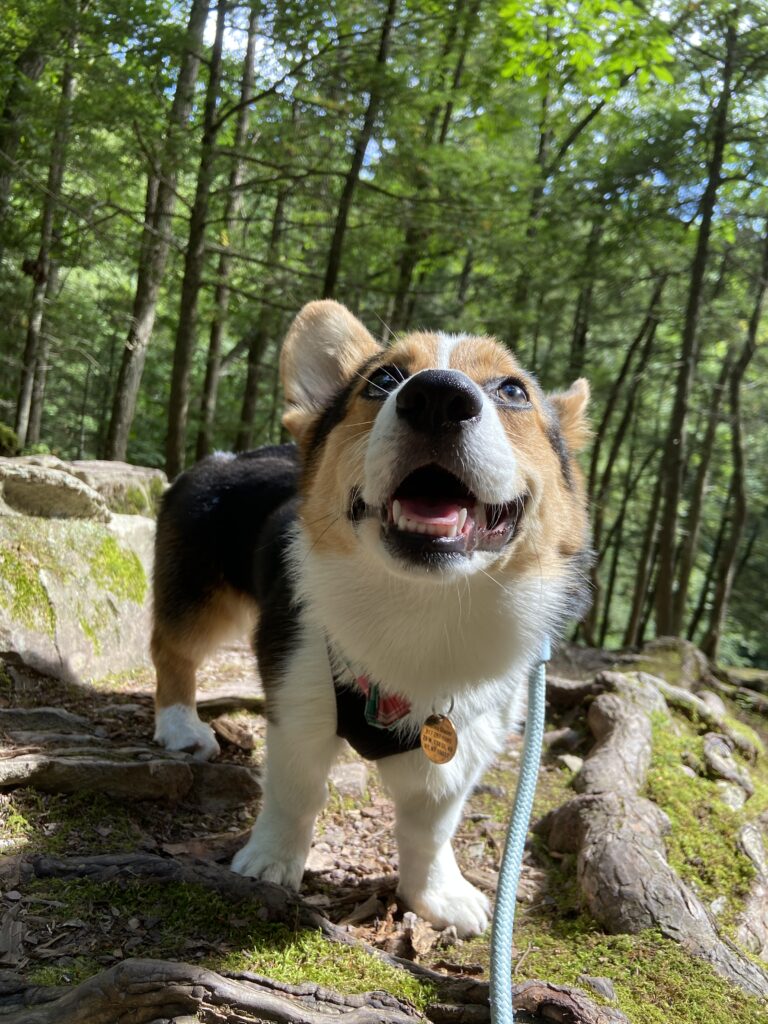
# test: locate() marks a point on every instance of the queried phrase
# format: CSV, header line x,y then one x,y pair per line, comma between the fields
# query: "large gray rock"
x,y
74,594
127,489
51,493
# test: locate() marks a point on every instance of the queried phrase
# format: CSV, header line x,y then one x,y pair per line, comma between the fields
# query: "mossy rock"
x,y
74,595
9,442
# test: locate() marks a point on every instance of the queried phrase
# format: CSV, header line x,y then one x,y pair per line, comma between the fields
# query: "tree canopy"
x,y
586,181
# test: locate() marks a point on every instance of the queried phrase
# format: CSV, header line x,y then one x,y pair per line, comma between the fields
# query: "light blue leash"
x,y
509,875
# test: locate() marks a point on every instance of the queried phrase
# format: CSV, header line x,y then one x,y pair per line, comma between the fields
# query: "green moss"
x,y
119,570
9,442
58,824
656,981
157,488
76,970
134,502
22,591
746,731
90,630
294,957
701,846
171,916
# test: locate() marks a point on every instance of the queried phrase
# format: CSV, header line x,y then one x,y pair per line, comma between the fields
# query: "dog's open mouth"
x,y
434,512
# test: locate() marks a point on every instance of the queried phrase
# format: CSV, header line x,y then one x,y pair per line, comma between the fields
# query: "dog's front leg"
x,y
301,747
428,806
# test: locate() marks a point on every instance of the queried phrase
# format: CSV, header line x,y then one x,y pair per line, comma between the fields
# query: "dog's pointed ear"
x,y
324,347
571,409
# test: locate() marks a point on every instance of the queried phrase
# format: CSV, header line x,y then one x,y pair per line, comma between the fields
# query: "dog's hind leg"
x,y
178,648
177,725
301,747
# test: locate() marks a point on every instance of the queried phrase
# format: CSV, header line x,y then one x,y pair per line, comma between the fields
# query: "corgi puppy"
x,y
401,563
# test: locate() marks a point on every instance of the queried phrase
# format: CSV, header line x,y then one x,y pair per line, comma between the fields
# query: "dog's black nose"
x,y
439,399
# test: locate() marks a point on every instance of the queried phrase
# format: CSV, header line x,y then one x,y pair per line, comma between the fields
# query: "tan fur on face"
x,y
554,526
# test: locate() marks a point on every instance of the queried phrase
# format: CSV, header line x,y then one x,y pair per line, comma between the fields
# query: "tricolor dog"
x,y
401,563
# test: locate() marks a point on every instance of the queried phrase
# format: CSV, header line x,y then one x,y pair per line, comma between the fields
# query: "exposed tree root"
x,y
618,836
141,991
460,999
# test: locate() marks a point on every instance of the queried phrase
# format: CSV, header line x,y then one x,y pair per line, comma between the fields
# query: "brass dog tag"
x,y
438,739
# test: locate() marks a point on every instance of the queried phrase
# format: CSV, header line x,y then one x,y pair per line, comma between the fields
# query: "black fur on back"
x,y
224,522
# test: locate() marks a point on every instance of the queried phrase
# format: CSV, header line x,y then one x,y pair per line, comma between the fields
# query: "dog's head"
x,y
437,455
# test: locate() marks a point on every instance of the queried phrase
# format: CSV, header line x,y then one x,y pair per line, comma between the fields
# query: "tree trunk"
x,y
600,498
649,324
583,312
41,368
42,267
690,543
28,67
673,463
644,571
156,240
194,259
416,235
714,561
259,337
616,535
358,154
232,209
727,567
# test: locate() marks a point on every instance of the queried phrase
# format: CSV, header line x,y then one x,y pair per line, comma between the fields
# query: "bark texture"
x,y
358,154
233,206
194,259
618,836
156,240
674,461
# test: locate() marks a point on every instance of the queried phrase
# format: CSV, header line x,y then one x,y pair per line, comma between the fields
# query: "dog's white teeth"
x,y
432,529
462,520
454,531
397,511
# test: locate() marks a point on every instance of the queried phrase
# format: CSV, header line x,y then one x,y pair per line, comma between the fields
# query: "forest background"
x,y
585,180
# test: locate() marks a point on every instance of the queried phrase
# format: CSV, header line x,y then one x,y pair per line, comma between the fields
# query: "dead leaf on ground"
x,y
235,732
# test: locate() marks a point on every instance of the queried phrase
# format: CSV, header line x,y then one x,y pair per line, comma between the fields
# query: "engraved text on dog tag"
x,y
438,739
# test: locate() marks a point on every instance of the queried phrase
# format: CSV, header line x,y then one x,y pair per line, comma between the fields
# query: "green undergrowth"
x,y
701,845
170,918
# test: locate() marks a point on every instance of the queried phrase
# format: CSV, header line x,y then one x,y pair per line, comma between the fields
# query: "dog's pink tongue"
x,y
438,513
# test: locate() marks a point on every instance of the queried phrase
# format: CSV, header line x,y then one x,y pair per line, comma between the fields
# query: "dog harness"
x,y
369,723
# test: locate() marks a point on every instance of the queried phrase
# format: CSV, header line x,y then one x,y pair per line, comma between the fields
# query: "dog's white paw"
x,y
179,728
263,857
459,904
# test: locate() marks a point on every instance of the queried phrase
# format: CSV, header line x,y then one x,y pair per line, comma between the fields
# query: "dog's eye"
x,y
512,392
382,381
